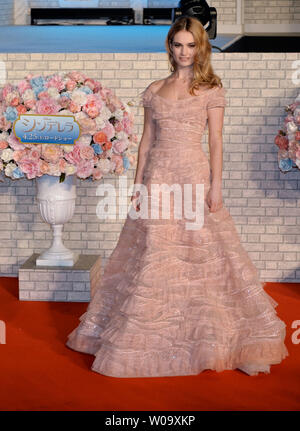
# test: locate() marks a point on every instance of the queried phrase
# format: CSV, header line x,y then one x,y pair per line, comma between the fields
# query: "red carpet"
x,y
38,372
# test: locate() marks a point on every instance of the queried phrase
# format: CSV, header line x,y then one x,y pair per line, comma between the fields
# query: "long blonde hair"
x,y
203,73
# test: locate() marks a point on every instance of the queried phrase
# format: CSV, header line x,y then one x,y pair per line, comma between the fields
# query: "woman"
x,y
178,298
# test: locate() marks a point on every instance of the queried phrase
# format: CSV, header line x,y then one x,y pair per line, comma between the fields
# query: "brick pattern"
x,y
59,284
7,12
263,202
272,11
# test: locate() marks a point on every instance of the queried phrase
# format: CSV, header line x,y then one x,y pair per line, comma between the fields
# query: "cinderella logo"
x,y
46,129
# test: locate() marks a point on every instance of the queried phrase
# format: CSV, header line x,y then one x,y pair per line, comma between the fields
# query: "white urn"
x,y
56,202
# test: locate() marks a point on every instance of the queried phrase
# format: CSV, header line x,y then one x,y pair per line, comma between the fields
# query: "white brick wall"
x,y
272,11
264,202
6,12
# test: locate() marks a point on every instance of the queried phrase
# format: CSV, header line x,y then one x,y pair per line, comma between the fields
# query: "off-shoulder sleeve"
x,y
217,98
146,97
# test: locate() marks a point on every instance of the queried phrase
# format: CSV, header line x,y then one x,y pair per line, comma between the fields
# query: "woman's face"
x,y
183,48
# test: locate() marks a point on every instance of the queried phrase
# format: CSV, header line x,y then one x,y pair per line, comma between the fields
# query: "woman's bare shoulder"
x,y
156,85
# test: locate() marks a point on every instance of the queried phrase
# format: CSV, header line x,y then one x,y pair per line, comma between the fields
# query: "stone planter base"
x,y
59,283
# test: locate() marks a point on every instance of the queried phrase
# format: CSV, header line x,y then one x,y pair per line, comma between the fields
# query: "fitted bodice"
x,y
182,120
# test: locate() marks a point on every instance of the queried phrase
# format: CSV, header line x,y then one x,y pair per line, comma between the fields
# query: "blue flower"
x,y
11,114
126,162
17,173
97,148
38,90
39,81
66,93
86,89
285,165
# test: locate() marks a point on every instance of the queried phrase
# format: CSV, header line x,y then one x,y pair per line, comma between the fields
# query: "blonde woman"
x,y
179,297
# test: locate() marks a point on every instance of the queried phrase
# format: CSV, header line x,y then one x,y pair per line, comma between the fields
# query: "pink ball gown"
x,y
175,301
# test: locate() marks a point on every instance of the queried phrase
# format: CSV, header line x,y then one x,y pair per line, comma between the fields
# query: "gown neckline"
x,y
184,99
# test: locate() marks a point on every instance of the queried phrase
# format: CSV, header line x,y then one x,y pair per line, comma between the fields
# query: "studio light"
x,y
199,9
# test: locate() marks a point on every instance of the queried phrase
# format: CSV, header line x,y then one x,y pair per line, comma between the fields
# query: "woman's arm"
x,y
147,139
215,141
145,144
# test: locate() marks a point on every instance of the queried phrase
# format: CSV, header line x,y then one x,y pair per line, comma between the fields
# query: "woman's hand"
x,y
133,199
214,198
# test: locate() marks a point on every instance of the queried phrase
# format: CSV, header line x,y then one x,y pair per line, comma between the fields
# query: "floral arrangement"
x,y
106,126
288,138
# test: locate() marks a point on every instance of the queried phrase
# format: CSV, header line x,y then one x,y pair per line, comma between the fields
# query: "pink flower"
x,y
86,152
294,147
109,130
54,169
106,92
119,145
117,160
14,100
3,145
57,82
93,101
21,109
23,86
282,142
297,136
14,142
77,76
74,107
62,165
85,168
4,125
8,88
90,83
293,106
18,155
98,87
34,153
84,140
30,167
97,174
93,112
87,125
288,118
70,85
111,107
30,103
74,156
47,106
64,101
43,166
127,125
118,126
51,153
43,94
